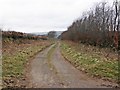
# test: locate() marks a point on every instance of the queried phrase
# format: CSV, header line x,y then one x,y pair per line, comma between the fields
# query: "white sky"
x,y
41,15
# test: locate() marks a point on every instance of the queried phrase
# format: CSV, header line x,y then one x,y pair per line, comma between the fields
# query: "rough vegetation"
x,y
98,27
97,37
16,54
94,61
19,35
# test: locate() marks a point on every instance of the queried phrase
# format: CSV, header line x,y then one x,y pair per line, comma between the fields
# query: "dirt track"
x,y
56,72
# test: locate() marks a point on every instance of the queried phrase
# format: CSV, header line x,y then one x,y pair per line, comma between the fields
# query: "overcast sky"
x,y
41,15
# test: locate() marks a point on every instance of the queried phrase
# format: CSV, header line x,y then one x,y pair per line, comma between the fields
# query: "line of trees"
x,y
98,27
19,35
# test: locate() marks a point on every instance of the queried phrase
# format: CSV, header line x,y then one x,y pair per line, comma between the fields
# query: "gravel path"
x,y
56,72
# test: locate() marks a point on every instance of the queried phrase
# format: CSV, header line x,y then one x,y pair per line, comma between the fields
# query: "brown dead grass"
x,y
16,54
107,53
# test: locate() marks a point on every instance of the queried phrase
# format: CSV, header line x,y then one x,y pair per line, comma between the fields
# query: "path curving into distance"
x,y
50,70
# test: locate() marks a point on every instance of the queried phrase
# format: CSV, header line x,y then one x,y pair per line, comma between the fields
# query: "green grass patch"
x,y
13,65
93,64
49,56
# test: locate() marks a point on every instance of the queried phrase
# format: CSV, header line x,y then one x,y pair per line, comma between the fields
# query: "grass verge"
x,y
49,56
94,63
14,65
